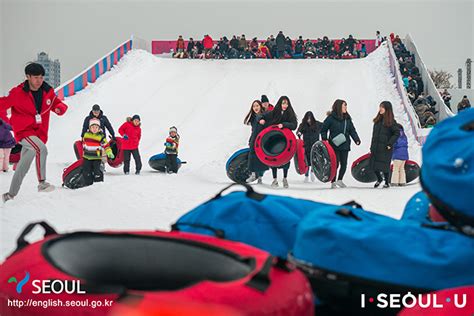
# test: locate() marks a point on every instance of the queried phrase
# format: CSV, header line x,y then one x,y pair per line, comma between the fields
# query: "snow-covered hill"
x,y
207,101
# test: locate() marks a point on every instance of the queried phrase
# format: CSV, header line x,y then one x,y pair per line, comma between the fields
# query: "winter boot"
x,y
386,185
275,183
376,185
44,186
6,197
340,184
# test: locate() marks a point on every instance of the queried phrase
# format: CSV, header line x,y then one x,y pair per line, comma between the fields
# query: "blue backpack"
x,y
350,249
267,222
417,208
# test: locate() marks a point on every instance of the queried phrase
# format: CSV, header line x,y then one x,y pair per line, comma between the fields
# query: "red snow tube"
x,y
15,154
275,146
362,172
78,149
301,164
116,146
434,215
455,302
72,176
150,266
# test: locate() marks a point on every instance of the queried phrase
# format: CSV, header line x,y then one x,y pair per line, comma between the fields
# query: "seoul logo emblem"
x,y
48,102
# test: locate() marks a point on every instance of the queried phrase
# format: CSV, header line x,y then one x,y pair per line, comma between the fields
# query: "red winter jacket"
x,y
133,134
23,111
207,42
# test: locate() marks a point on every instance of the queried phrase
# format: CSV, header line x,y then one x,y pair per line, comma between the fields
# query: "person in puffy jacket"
x,y
31,104
339,123
131,133
7,142
384,135
310,129
171,150
399,157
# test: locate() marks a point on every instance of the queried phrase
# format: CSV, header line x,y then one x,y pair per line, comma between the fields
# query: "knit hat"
x,y
173,129
264,99
94,121
96,108
136,117
447,172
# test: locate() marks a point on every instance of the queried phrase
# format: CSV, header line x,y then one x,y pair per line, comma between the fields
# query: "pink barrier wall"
x,y
160,47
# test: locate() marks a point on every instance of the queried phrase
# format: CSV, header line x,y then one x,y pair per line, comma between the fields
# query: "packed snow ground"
x,y
207,100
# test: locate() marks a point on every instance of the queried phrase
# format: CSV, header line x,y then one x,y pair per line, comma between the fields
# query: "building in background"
x,y
52,69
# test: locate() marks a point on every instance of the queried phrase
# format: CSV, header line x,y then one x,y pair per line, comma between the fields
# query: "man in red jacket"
x,y
131,133
31,103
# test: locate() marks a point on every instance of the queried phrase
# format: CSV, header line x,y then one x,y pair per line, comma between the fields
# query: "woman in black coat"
x,y
255,165
340,122
284,116
310,128
384,135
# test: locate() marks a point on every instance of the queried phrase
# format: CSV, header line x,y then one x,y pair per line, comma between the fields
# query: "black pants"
x,y
91,171
379,176
341,156
285,170
172,163
136,157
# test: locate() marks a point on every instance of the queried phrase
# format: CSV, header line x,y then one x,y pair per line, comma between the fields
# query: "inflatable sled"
x,y
151,266
363,173
116,146
78,149
267,222
15,154
237,166
158,162
323,161
347,252
453,302
420,209
275,146
301,164
73,177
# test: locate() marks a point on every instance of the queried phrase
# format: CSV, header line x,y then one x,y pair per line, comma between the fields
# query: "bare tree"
x,y
441,78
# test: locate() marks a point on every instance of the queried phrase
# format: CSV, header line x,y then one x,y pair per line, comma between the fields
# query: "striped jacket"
x,y
171,145
93,145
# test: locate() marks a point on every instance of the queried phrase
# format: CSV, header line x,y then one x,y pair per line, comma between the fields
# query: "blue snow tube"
x,y
158,162
237,166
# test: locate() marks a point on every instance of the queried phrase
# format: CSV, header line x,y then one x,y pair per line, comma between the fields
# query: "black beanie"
x,y
96,107
136,117
264,99
34,69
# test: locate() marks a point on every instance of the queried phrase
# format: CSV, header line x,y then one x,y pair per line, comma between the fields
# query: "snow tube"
x,y
452,302
152,266
328,248
158,162
323,161
420,209
73,177
265,221
301,164
78,149
275,146
363,173
15,154
116,146
237,166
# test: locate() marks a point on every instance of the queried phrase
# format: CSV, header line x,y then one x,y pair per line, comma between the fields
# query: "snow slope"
x,y
207,101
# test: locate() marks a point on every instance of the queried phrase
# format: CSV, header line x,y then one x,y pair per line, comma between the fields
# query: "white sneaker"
x,y
306,179
252,178
259,181
340,184
285,183
313,177
275,183
333,185
44,186
6,197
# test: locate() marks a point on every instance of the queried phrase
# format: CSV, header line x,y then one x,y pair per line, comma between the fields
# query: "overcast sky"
x,y
78,32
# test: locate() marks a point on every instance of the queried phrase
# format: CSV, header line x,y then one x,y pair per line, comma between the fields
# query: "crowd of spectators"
x,y
424,105
281,47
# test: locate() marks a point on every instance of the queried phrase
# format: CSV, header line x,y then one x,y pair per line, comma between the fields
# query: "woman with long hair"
x,y
310,128
341,130
384,135
255,165
284,116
